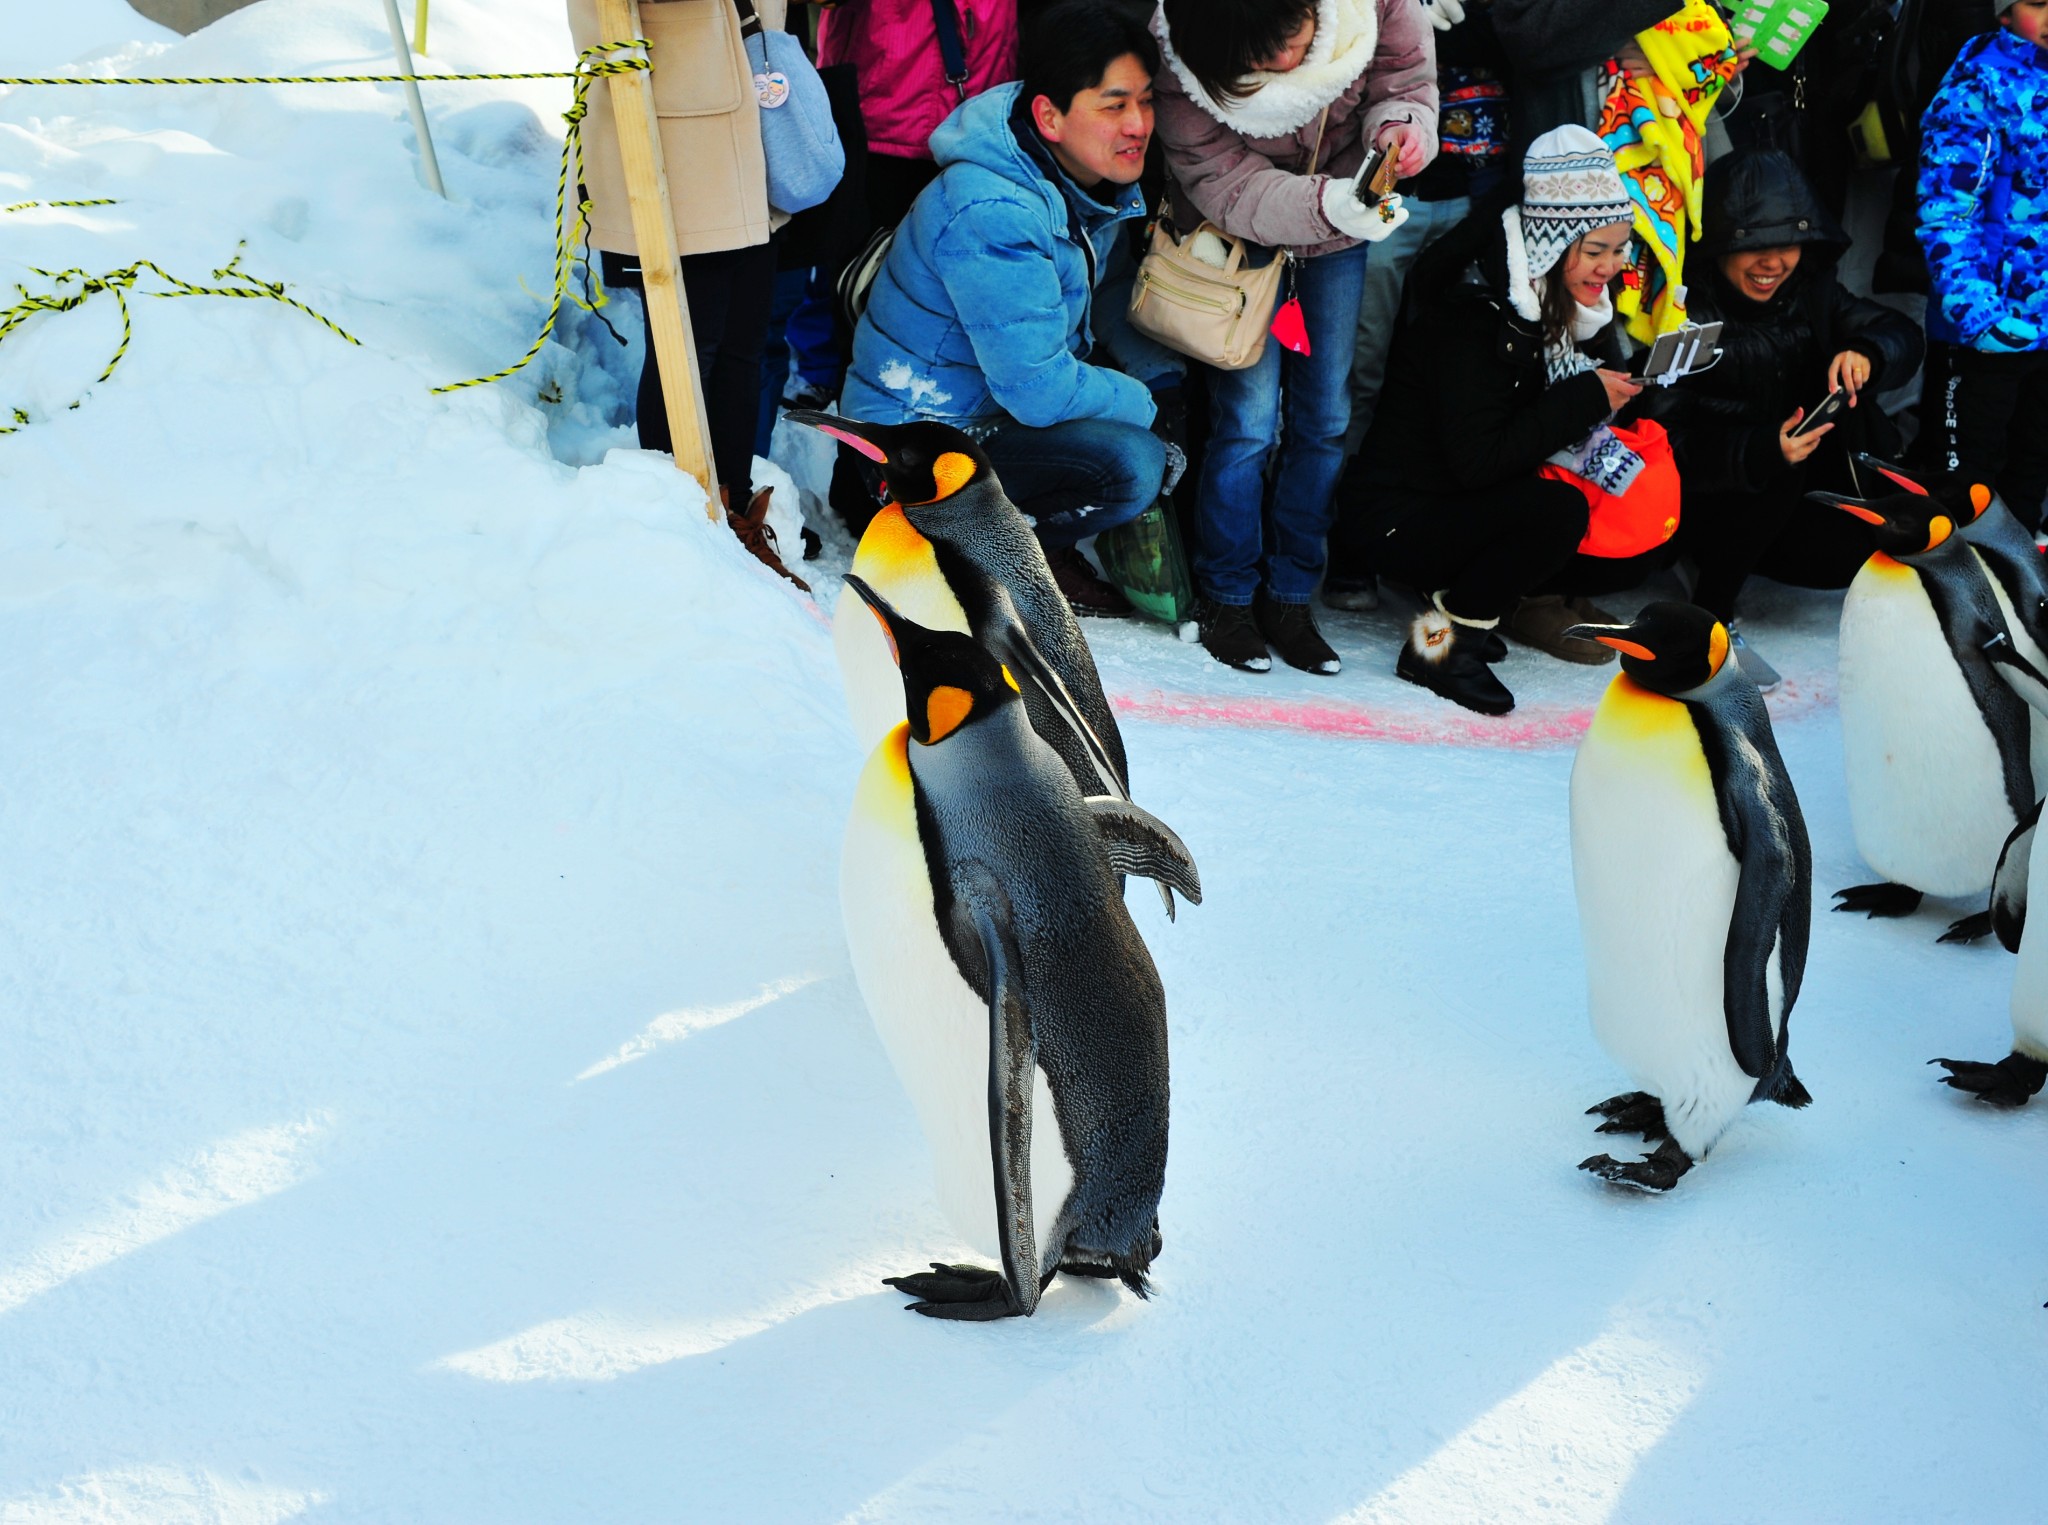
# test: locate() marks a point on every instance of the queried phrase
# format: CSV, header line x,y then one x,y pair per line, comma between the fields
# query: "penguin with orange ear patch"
x,y
1017,1002
952,552
1695,889
1934,740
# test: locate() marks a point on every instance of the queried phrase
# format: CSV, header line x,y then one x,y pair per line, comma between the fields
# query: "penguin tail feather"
x,y
1137,1281
1791,1092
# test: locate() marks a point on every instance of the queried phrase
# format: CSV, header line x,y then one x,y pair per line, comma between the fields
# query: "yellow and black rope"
x,y
72,288
96,201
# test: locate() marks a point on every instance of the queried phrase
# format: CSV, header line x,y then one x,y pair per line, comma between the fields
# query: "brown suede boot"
x,y
1541,621
756,533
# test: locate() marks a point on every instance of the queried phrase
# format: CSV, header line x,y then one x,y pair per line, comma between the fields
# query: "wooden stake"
x,y
419,29
654,235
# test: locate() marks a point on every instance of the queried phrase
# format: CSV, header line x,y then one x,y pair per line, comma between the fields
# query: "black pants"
x,y
1485,549
729,294
1987,416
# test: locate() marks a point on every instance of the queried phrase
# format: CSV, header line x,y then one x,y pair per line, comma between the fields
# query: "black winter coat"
x,y
1466,404
1774,355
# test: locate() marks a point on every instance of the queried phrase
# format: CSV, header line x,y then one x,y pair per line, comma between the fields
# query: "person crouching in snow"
x,y
1267,109
984,313
1506,355
1984,228
1791,335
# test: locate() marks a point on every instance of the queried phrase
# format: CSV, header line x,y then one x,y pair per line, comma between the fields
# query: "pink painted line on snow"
x,y
1529,728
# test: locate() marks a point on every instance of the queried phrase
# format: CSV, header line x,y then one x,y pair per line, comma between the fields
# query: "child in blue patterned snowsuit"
x,y
1984,227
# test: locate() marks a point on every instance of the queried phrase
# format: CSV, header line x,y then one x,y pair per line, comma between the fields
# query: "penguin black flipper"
x,y
1971,616
1013,644
983,928
1140,844
2009,884
1772,917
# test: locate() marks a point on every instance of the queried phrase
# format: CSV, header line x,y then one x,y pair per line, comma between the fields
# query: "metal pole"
x,y
428,163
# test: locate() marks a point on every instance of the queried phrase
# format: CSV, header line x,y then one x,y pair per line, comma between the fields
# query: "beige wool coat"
x,y
710,128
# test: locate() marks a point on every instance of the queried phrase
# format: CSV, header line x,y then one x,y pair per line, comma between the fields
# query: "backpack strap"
x,y
952,53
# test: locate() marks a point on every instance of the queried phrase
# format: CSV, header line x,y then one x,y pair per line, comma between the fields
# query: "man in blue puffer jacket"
x,y
984,313
1984,227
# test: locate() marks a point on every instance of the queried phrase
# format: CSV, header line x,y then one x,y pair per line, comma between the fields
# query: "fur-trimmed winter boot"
x,y
1444,654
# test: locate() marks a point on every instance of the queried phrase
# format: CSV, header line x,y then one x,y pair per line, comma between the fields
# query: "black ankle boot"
x,y
1290,629
1446,658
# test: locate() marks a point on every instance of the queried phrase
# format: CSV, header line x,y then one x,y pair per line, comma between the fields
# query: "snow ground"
x,y
432,1083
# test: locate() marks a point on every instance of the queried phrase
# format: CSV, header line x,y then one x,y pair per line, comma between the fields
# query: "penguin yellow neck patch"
x,y
1717,648
1938,529
944,709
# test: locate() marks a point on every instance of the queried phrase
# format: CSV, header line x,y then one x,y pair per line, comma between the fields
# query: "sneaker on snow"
x,y
1230,635
1087,593
1356,593
1290,629
1754,667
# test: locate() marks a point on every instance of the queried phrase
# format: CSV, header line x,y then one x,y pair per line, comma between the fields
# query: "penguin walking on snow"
x,y
2015,1079
1935,743
2018,575
1016,999
1695,889
952,552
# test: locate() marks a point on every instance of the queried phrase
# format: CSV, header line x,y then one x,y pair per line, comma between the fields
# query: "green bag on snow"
x,y
1144,558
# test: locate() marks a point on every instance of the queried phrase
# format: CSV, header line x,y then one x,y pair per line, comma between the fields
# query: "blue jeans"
x,y
1078,478
1251,414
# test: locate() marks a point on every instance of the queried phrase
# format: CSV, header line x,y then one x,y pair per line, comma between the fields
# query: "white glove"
x,y
1353,218
1444,14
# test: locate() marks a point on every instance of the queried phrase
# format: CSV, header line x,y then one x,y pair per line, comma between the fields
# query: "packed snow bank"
x,y
432,1085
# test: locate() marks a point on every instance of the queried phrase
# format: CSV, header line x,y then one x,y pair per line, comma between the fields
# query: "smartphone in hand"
x,y
1376,176
1824,412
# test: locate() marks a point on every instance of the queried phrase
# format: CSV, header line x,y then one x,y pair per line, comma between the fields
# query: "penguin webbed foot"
x,y
1632,1112
1655,1172
1968,929
2012,1082
1875,900
972,1293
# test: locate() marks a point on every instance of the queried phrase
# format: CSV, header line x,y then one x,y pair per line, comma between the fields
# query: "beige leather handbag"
x,y
1217,316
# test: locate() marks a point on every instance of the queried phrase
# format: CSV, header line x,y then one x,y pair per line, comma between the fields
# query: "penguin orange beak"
x,y
845,430
884,612
1615,636
1857,506
1897,475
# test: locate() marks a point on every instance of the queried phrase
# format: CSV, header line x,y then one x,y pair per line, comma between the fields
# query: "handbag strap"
x,y
952,54
750,19
1315,153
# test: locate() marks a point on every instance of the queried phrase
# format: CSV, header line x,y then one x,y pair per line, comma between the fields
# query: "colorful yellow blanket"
x,y
1656,128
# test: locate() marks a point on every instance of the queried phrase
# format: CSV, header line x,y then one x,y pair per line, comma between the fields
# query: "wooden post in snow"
x,y
654,235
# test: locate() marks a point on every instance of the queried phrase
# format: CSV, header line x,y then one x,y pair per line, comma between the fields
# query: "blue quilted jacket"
x,y
986,306
1984,197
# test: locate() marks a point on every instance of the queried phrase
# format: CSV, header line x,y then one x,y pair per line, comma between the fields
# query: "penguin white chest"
x,y
1926,789
1656,887
898,563
931,1022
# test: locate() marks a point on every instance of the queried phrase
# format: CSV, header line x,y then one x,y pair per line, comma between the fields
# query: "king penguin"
x,y
1015,997
1695,889
2015,1079
1935,743
952,552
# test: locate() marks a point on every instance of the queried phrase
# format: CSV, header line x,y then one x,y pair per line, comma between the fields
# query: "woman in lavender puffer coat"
x,y
1250,90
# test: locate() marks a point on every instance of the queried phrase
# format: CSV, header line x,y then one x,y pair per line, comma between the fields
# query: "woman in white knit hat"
x,y
1505,356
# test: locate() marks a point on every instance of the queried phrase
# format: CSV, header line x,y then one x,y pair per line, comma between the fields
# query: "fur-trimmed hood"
x,y
1347,34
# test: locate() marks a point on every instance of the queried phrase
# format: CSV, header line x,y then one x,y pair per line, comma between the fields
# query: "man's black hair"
x,y
1223,41
1066,47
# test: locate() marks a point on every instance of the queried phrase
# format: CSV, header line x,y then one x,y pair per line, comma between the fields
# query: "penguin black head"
x,y
949,679
1669,648
1903,524
923,462
1964,500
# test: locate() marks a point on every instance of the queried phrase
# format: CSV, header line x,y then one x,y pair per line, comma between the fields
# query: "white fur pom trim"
x,y
1430,635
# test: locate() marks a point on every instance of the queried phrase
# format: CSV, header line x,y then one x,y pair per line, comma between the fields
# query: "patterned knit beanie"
x,y
1569,187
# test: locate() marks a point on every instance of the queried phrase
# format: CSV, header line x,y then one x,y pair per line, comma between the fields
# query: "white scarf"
x,y
1347,32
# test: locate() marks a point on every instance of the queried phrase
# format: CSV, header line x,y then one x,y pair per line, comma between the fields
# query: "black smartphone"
x,y
1823,413
1375,176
